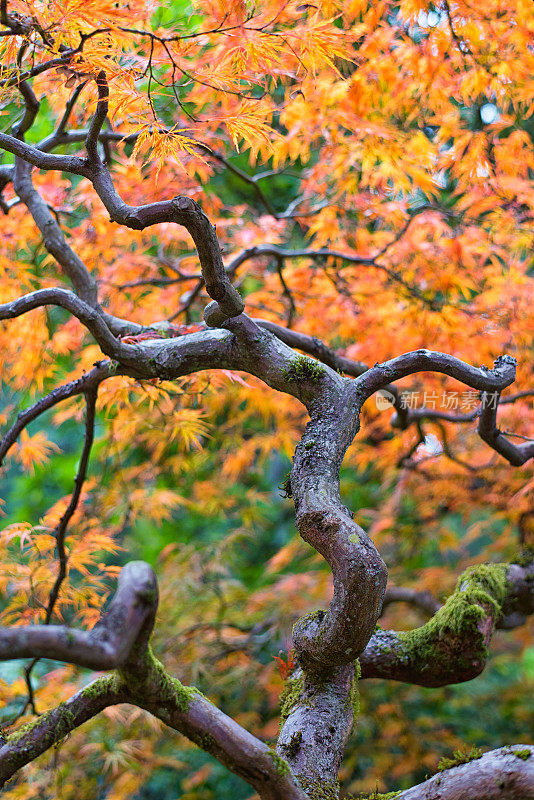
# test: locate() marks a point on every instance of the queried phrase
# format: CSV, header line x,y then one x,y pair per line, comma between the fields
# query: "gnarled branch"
x,y
503,774
130,618
452,646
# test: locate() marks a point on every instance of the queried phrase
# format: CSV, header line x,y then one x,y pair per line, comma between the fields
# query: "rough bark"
x,y
453,646
503,774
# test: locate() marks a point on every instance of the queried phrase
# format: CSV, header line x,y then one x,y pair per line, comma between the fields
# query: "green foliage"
x,y
319,790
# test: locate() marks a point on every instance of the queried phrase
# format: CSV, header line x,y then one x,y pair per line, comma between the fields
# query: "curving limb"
x,y
130,618
481,378
41,159
93,319
21,748
187,711
452,646
404,416
503,774
226,300
120,641
516,454
82,281
95,128
181,210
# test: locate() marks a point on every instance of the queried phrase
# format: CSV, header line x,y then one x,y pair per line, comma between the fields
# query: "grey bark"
x,y
498,775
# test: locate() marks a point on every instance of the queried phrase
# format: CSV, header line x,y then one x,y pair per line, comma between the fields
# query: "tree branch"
x,y
184,211
452,647
42,160
88,316
91,141
23,747
82,385
59,532
483,379
516,454
83,282
324,253
31,106
503,774
130,618
186,710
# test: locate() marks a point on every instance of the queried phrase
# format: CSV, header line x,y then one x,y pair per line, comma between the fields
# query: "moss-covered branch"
x,y
187,711
452,646
30,740
503,774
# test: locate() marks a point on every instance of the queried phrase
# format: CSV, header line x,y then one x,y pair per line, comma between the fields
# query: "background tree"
x,y
381,205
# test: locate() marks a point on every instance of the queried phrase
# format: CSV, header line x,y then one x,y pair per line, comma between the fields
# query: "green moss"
x,y
62,716
313,616
285,486
319,790
280,764
377,796
459,757
66,723
309,445
353,698
20,732
184,695
354,538
477,589
100,686
156,679
290,696
524,557
304,369
294,745
524,754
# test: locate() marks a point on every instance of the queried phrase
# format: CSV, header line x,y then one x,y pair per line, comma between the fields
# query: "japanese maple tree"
x,y
316,215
